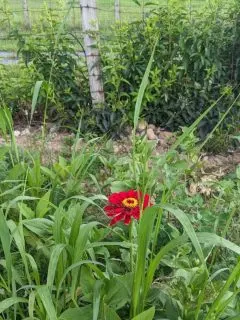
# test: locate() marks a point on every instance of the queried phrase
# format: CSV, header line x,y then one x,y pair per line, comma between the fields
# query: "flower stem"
x,y
131,247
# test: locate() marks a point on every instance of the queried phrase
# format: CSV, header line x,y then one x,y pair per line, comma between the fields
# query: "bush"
x,y
196,60
16,83
64,72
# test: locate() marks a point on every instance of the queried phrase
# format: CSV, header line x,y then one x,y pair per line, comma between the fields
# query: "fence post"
x,y
117,10
90,31
27,22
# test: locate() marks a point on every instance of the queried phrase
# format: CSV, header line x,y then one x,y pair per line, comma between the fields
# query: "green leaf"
x,y
183,219
212,239
218,301
118,291
156,261
72,267
237,317
22,198
3,124
36,91
137,2
87,281
78,211
109,313
79,248
238,172
7,303
117,186
145,315
97,292
12,190
26,211
142,88
209,136
191,129
91,199
31,304
39,226
84,234
46,299
149,3
52,266
34,268
84,313
144,236
43,205
17,234
6,245
49,173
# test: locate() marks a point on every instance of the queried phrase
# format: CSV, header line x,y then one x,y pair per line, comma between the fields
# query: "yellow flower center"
x,y
130,203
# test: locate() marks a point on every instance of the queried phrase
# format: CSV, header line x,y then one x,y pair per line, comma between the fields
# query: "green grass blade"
x,y
97,298
72,267
76,224
7,303
52,266
156,261
142,88
84,234
209,136
145,230
31,304
36,91
6,245
212,239
20,243
195,124
34,266
43,205
183,219
235,274
9,122
46,298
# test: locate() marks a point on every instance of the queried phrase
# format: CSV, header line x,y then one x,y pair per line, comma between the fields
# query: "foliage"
x,y
196,60
64,74
58,263
22,80
50,54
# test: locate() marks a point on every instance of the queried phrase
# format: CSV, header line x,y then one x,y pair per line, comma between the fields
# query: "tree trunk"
x,y
27,22
90,31
117,10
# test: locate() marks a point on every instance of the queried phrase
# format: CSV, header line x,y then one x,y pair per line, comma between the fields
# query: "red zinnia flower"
x,y
126,205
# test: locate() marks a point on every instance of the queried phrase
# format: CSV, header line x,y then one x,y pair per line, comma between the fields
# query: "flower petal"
x,y
116,219
118,211
136,213
127,219
146,201
117,198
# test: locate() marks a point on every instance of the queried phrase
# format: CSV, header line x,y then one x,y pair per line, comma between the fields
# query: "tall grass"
x,y
56,264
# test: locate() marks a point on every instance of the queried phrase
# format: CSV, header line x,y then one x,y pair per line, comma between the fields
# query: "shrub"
x,y
64,72
16,83
196,59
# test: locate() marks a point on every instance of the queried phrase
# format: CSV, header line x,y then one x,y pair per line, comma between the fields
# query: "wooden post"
x,y
90,31
117,10
27,22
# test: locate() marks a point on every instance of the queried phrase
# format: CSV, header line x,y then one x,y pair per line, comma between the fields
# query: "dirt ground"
x,y
55,143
